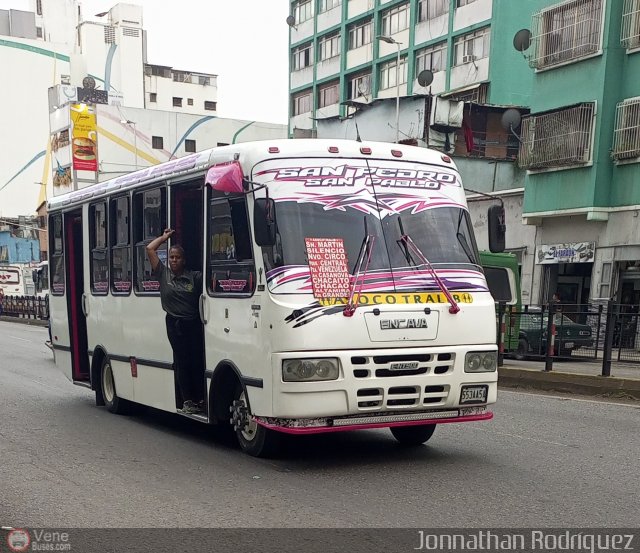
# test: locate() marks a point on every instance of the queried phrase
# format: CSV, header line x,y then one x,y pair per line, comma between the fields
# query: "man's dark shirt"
x,y
179,294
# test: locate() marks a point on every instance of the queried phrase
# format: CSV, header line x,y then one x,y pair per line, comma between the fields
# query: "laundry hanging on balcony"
x,y
446,119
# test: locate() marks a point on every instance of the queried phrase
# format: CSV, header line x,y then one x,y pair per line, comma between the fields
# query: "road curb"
x,y
557,381
23,321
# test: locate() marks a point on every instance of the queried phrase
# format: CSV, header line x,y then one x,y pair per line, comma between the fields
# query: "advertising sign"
x,y
575,252
83,143
328,267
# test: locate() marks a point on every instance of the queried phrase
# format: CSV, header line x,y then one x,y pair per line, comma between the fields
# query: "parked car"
x,y
533,335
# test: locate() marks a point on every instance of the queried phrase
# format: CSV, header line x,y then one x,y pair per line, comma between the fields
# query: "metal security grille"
x,y
566,32
557,139
626,137
128,31
109,35
630,33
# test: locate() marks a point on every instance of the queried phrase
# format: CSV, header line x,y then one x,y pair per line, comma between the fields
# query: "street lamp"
x,y
135,137
391,40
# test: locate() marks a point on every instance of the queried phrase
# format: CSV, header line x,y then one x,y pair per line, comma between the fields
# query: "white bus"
x,y
17,280
342,289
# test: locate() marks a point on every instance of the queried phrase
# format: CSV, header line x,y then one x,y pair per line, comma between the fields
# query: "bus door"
x,y
187,219
73,245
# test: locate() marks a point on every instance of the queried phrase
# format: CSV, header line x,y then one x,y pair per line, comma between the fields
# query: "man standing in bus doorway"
x,y
180,290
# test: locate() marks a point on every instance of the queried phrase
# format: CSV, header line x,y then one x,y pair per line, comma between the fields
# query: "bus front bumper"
x,y
375,420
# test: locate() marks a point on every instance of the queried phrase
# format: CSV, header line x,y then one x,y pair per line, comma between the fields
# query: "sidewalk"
x,y
573,377
24,321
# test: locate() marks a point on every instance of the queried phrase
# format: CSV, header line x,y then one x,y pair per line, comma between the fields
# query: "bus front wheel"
x,y
254,439
413,435
108,386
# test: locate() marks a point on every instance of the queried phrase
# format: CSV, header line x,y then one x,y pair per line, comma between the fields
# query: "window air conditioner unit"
x,y
468,58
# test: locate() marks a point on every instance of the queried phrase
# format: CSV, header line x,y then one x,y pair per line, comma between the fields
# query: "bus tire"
x,y
523,349
108,388
254,439
413,435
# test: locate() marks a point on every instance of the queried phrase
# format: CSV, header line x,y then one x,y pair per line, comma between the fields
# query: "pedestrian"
x,y
1,301
180,291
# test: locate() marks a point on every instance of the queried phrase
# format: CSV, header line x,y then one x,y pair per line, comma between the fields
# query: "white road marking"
x,y
18,338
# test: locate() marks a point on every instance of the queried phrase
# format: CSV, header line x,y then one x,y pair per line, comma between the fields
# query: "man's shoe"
x,y
189,408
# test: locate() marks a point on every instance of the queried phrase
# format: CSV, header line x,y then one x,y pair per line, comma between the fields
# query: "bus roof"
x,y
248,154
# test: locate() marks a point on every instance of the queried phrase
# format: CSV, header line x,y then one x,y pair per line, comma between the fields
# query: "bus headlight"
x,y
309,370
480,362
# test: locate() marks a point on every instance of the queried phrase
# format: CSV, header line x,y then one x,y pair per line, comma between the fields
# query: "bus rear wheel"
x,y
254,439
413,435
108,386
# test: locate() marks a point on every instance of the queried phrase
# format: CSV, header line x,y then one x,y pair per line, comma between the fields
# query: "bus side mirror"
x,y
497,228
264,222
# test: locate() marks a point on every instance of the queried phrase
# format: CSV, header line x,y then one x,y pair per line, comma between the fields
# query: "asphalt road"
x,y
543,461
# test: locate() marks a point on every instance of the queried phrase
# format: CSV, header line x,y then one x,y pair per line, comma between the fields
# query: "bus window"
x,y
120,246
150,220
231,267
56,270
499,284
98,245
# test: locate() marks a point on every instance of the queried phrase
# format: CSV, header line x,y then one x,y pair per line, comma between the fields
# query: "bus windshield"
x,y
443,235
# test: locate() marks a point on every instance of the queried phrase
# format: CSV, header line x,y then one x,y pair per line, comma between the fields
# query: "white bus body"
x,y
280,356
16,280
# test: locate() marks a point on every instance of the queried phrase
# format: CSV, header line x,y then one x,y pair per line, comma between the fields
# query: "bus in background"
x,y
503,278
343,289
16,280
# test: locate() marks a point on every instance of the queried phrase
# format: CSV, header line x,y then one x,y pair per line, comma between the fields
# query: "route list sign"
x,y
328,266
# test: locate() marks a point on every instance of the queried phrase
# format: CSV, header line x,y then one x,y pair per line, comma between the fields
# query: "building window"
x,y
328,95
303,10
302,103
39,32
360,35
189,101
98,245
360,85
626,137
329,47
566,32
210,106
388,73
471,47
430,9
460,3
153,97
120,250
630,35
203,80
219,144
189,145
39,7
177,102
157,142
557,139
326,5
433,58
395,20
301,57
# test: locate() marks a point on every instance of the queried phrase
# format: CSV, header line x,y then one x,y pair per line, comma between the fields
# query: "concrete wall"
x,y
20,250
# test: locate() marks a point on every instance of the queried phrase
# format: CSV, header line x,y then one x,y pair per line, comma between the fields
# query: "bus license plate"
x,y
474,394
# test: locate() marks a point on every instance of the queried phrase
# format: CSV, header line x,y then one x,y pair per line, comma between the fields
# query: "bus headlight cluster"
x,y
480,361
308,370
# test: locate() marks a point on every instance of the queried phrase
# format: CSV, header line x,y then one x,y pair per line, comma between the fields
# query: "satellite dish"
x,y
425,77
291,21
522,40
88,82
511,119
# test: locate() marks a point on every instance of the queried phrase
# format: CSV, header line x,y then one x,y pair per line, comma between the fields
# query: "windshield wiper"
x,y
364,257
410,246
